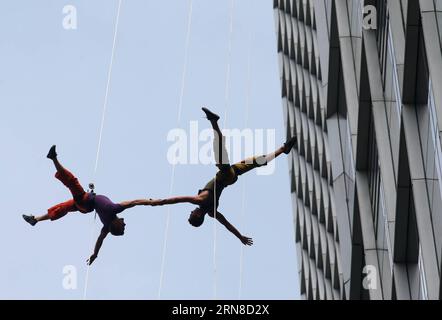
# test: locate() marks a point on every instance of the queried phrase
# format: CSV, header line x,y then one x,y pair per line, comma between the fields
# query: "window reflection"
x,y
423,291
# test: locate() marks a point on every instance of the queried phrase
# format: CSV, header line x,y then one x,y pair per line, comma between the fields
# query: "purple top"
x,y
106,209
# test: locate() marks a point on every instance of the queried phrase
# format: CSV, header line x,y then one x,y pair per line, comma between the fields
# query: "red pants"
x,y
78,194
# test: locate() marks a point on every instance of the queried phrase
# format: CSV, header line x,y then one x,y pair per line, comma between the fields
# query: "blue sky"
x,y
52,86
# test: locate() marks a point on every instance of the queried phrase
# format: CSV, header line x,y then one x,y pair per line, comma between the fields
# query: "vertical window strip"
x,y
376,192
387,234
395,76
438,15
385,37
402,15
423,290
371,168
435,136
350,147
361,13
378,22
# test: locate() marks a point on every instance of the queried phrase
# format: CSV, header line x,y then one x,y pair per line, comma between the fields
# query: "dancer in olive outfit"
x,y
207,199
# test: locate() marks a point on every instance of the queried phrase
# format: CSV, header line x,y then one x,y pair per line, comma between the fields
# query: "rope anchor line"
x,y
226,110
172,179
100,138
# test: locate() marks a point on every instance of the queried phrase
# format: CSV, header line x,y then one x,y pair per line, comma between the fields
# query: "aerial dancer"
x,y
86,202
207,199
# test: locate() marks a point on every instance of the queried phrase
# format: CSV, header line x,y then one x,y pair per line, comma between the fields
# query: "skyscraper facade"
x,y
361,88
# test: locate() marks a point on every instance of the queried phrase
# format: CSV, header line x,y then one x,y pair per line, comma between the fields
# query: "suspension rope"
x,y
229,56
103,118
172,180
226,109
246,123
109,77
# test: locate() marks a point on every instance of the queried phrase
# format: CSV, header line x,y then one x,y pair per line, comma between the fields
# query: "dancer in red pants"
x,y
86,202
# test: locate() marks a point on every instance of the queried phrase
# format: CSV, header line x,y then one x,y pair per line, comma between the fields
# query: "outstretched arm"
x,y
134,203
186,199
98,245
245,240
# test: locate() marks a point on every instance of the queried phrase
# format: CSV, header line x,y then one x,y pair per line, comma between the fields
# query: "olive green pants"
x,y
228,174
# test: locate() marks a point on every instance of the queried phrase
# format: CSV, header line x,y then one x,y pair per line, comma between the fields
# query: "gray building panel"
x,y
366,175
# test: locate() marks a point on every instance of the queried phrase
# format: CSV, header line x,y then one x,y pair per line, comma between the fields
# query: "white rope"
x,y
247,112
172,181
109,77
103,118
215,283
229,55
226,109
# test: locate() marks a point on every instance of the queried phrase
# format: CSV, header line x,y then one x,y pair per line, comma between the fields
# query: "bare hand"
x,y
91,259
246,241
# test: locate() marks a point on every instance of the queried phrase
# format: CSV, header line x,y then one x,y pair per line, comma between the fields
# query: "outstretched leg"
x,y
53,156
54,213
285,148
66,177
72,183
256,162
219,141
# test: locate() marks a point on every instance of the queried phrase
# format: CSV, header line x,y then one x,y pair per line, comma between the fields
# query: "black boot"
x,y
288,146
52,153
210,115
30,219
